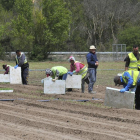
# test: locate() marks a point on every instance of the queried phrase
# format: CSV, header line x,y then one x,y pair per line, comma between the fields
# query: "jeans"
x,y
92,78
63,77
133,89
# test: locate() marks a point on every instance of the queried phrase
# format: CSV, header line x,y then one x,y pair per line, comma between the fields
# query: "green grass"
x,y
49,64
105,72
111,65
6,89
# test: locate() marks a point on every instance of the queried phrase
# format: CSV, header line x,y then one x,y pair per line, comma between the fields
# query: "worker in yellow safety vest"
x,y
21,61
57,72
79,68
133,60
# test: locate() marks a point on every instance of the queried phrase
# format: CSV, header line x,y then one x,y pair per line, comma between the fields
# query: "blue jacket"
x,y
91,60
130,81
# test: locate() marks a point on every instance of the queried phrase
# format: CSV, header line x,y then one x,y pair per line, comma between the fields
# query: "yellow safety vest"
x,y
82,71
134,74
134,63
62,70
25,61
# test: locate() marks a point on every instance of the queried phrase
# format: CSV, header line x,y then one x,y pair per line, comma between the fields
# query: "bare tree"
x,y
104,18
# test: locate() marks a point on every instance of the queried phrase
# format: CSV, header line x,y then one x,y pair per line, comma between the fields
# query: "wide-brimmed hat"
x,y
92,47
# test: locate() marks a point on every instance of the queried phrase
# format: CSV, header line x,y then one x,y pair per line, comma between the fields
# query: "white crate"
x,y
114,98
15,75
57,87
73,81
5,78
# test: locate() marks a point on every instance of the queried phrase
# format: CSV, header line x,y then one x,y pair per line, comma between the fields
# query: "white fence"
x,y
80,56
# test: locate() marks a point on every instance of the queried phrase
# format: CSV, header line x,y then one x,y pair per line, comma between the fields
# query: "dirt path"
x,y
63,117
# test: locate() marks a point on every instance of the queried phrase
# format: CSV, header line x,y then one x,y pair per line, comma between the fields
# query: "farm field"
x,y
64,117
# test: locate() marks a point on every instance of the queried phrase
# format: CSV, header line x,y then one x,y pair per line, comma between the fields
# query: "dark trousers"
x,y
137,98
24,75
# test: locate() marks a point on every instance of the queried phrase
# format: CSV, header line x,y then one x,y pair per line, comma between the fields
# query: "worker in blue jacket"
x,y
130,80
92,66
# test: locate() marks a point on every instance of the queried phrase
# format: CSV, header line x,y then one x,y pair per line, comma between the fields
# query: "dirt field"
x,y
63,117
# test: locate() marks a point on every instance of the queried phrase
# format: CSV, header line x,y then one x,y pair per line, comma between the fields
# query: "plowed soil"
x,y
73,116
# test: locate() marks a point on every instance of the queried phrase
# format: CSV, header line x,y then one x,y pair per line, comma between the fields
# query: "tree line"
x,y
43,26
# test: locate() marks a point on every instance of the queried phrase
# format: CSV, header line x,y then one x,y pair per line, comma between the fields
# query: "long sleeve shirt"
x,y
129,83
76,67
6,70
91,60
20,60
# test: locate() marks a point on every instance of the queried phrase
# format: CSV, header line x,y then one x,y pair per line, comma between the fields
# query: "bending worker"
x,y
80,69
57,72
21,61
6,68
130,80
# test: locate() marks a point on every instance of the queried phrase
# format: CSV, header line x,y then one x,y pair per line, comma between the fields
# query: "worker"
x,y
130,80
6,68
133,60
57,72
79,68
92,67
21,61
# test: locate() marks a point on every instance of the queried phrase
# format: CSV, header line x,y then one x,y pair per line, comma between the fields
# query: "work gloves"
x,y
15,66
54,79
122,90
70,73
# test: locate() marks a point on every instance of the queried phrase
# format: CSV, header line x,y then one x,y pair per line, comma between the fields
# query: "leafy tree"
x,y
130,36
2,49
76,40
57,19
5,20
105,18
51,28
39,51
21,34
7,4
